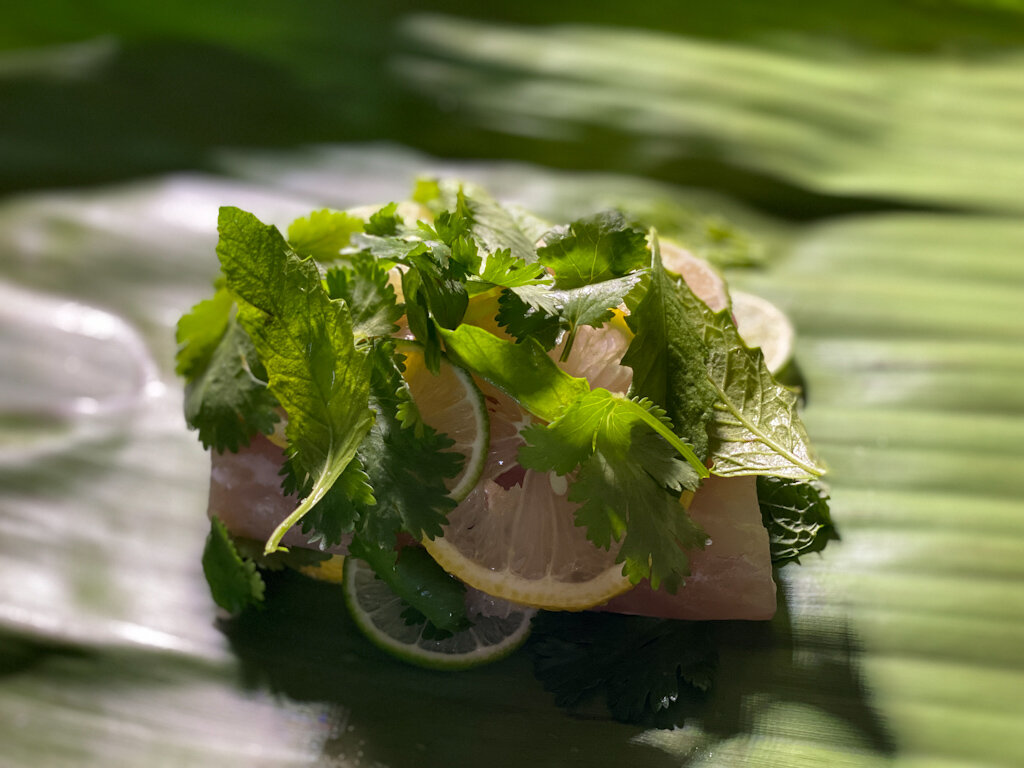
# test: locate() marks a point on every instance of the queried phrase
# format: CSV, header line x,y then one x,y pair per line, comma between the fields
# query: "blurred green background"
x,y
859,163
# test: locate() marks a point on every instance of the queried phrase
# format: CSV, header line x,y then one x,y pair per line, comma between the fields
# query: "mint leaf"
x,y
594,249
200,330
628,484
304,339
228,400
796,515
650,671
669,356
323,234
371,299
234,581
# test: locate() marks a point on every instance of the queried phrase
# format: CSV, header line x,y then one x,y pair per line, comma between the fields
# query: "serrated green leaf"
x,y
304,339
234,582
669,356
594,249
371,299
797,517
199,331
226,401
323,234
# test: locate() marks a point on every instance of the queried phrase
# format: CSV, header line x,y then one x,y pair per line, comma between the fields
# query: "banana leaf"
x,y
901,644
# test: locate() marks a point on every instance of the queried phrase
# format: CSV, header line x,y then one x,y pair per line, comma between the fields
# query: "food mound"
x,y
486,415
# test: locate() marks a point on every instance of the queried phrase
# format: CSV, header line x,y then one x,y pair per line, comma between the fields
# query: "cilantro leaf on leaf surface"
x,y
304,339
669,357
503,269
371,299
650,671
594,249
323,234
228,401
628,484
234,581
796,515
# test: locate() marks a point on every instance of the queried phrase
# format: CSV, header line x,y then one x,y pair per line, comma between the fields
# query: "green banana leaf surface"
x,y
900,644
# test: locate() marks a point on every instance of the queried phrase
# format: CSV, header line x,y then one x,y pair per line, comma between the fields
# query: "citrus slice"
x,y
515,535
702,278
762,324
377,611
331,570
450,402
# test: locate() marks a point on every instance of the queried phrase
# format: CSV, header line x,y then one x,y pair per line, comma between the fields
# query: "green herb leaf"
x,y
591,305
628,484
649,670
384,222
234,581
199,332
755,428
304,340
323,234
594,249
493,225
668,354
796,515
508,271
420,582
371,299
228,401
522,371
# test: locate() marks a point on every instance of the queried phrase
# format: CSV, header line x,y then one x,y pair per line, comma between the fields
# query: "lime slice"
x,y
450,402
762,324
377,611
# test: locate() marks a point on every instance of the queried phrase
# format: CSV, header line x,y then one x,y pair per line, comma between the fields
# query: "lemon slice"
x,y
377,611
762,324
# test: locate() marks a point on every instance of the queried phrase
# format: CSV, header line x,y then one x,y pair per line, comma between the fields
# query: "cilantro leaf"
x,y
796,515
304,339
407,465
649,670
234,581
508,271
523,321
668,355
228,401
594,249
591,305
200,330
490,223
371,300
323,234
628,485
384,222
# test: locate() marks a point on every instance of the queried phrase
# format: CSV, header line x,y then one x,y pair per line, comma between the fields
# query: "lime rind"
x,y
477,457
377,611
763,325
